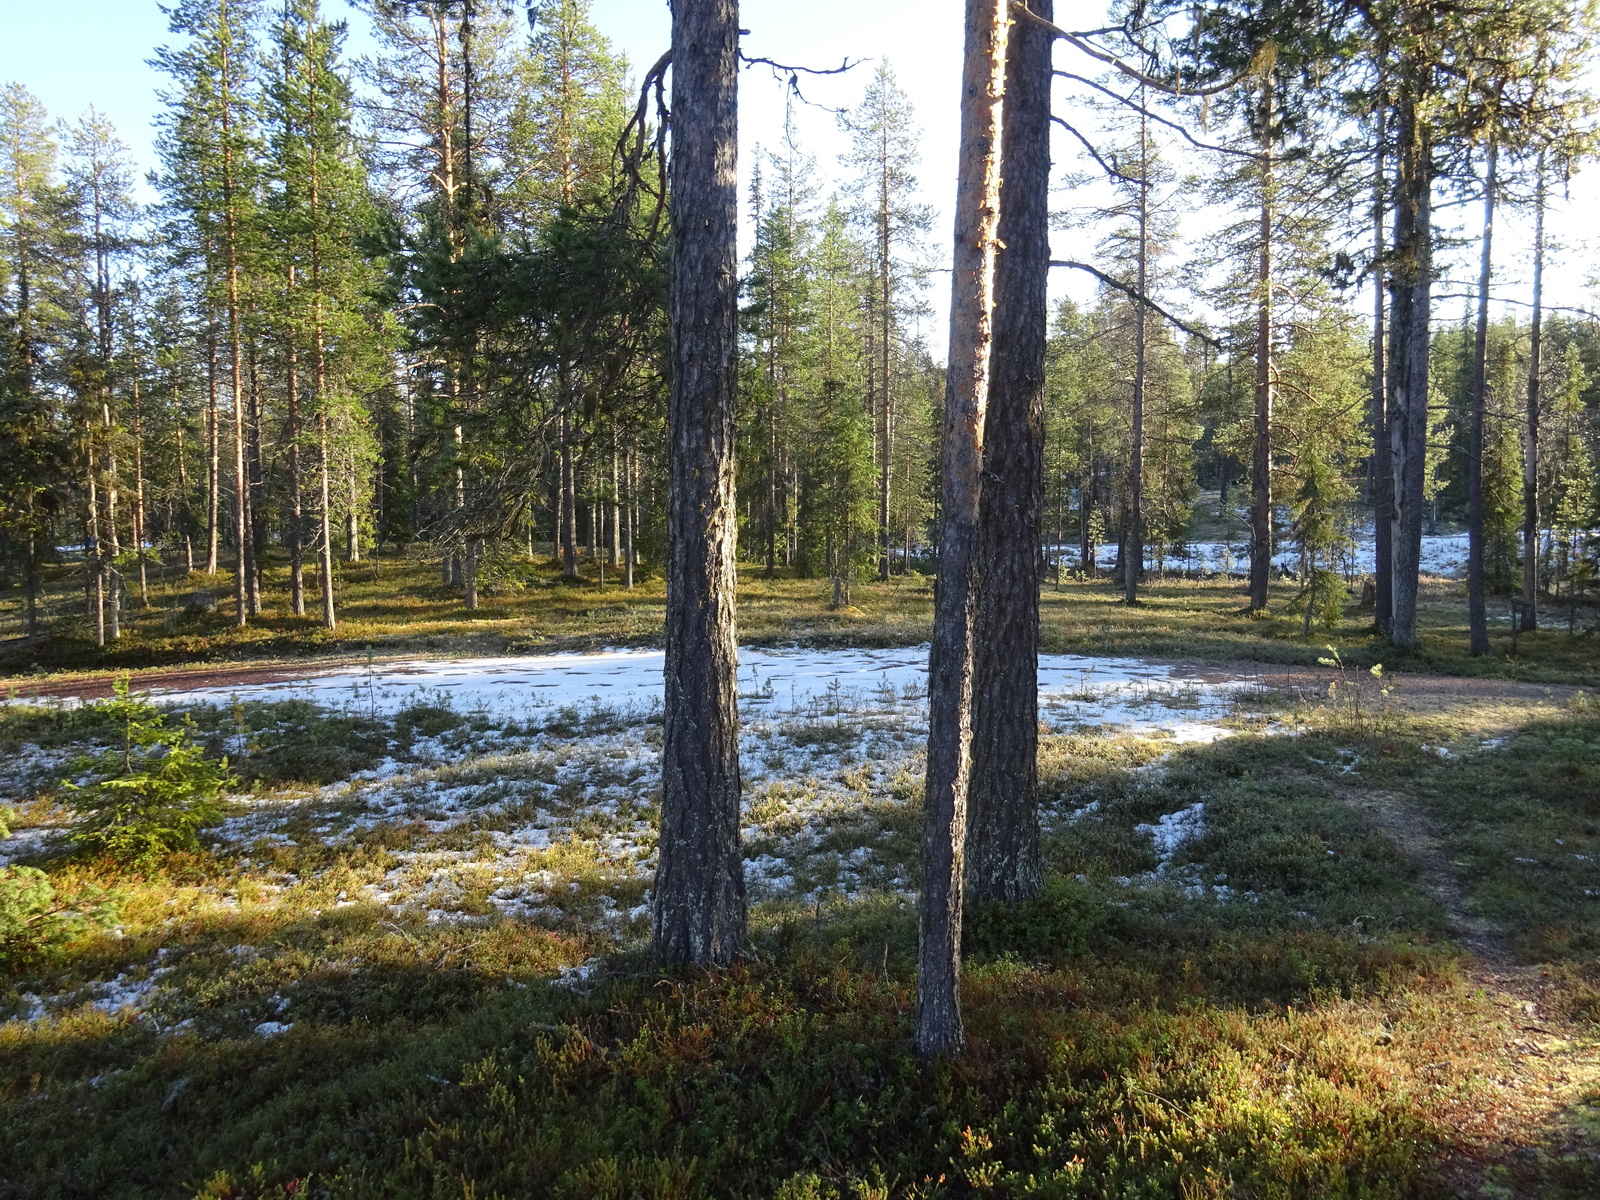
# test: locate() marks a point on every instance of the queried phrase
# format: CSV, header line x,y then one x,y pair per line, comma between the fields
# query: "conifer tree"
x,y
33,254
883,156
699,906
210,153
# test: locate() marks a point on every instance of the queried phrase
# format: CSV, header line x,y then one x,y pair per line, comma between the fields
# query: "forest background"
x,y
494,387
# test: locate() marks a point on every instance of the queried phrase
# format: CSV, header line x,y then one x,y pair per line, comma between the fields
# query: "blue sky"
x,y
77,53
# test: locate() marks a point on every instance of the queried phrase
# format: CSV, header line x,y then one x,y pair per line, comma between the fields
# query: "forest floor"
x,y
393,608
1293,943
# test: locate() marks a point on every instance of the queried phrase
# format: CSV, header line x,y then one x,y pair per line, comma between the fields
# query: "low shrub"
x,y
150,795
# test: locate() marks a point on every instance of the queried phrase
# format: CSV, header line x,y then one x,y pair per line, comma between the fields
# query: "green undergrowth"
x,y
1275,1008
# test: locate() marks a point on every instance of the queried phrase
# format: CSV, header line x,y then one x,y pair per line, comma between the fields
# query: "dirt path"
x,y
1531,1113
1420,693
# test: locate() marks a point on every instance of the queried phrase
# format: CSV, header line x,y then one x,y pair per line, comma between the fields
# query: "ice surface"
x,y
1074,690
1442,554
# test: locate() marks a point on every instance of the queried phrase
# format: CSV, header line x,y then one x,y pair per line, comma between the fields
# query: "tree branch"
x,y
1133,292
1157,117
1079,43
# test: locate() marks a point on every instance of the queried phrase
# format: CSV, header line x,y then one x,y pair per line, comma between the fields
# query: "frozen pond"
x,y
1074,690
1443,555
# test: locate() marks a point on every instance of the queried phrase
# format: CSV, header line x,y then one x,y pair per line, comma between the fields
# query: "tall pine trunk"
x,y
213,454
944,829
1261,458
699,904
1411,293
291,456
1003,861
1378,408
1132,552
1477,597
1530,450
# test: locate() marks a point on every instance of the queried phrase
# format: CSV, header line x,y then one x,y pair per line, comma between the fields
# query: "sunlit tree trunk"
x,y
699,901
1378,411
1477,598
1530,454
1003,861
1411,292
939,1028
1261,461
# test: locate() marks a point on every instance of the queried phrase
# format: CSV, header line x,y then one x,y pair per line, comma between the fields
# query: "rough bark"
x,y
939,1029
699,900
1131,555
1003,861
1261,454
1410,291
1477,597
295,531
1530,450
1378,410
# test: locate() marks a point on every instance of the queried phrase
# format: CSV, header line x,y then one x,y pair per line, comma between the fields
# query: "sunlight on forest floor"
x,y
1291,943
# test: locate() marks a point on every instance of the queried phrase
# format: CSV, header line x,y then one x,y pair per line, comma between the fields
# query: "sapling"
x,y
150,795
32,916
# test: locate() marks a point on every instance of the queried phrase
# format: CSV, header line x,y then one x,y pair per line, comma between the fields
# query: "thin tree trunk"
x,y
296,530
1477,591
1378,413
699,902
1003,859
569,508
614,511
352,516
1530,452
1133,526
213,456
630,515
255,513
1410,290
944,831
138,493
1261,460
329,620
885,351
94,557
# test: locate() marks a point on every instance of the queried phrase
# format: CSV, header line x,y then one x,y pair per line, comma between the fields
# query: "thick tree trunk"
x,y
1530,447
1477,589
1378,410
1003,860
944,828
699,903
1410,290
1261,458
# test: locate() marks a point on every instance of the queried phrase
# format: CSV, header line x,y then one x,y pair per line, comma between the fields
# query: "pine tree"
x,y
939,1028
699,907
210,151
99,185
884,154
319,213
33,246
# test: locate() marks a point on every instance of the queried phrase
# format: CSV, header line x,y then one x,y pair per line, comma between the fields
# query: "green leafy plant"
x,y
151,795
